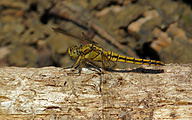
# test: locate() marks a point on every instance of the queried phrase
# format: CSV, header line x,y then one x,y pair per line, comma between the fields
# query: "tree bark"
x,y
51,93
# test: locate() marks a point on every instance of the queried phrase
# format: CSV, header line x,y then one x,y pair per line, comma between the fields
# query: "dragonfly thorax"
x,y
74,52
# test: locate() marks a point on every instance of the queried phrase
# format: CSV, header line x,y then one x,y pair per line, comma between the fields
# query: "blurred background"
x,y
149,29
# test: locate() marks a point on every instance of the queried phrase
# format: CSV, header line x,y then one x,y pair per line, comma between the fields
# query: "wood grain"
x,y
141,93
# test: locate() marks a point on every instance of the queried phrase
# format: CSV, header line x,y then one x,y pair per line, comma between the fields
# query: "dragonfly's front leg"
x,y
78,63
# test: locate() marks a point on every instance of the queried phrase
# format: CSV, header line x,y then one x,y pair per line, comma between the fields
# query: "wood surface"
x,y
139,93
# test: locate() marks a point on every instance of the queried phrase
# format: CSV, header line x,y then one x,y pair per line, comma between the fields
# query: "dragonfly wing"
x,y
107,63
71,35
89,39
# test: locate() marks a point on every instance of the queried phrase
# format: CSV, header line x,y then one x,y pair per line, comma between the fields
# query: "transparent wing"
x,y
88,39
107,63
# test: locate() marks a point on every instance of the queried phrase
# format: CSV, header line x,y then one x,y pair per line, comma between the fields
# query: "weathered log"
x,y
50,93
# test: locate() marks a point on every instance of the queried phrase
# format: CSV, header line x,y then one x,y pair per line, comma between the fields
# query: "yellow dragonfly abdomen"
x,y
119,58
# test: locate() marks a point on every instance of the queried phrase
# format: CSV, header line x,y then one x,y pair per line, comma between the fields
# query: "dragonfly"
x,y
94,52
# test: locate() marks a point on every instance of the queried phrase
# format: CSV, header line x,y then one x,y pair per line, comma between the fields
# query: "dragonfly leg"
x,y
89,63
76,65
100,73
80,67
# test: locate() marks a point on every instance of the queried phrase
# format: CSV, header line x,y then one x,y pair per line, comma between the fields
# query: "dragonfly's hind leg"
x,y
100,73
98,68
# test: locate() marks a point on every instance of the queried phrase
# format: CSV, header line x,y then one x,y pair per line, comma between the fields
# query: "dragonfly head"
x,y
73,52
